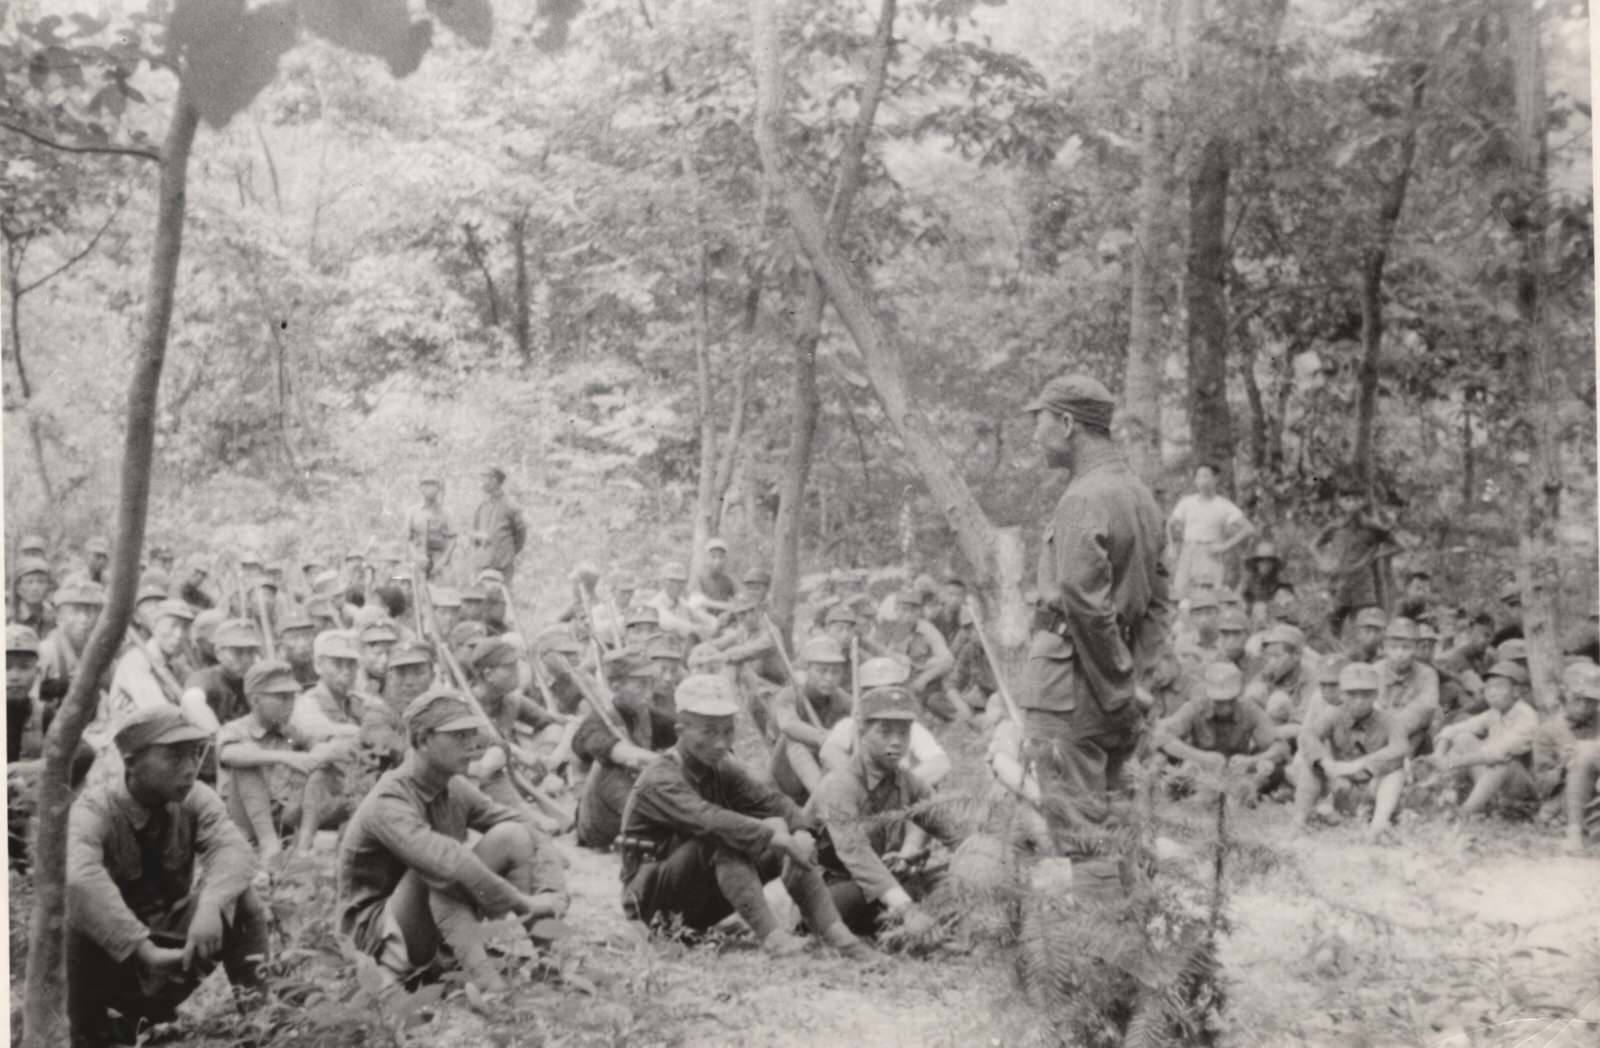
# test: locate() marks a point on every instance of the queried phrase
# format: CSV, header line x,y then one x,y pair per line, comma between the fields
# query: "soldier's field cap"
x,y
1372,617
378,632
642,615
1085,399
757,577
335,644
1512,671
1223,681
494,471
22,639
840,613
1400,628
716,543
888,703
1511,593
272,676
32,542
206,623
473,593
320,608
32,566
97,545
629,663
744,603
149,591
163,725
411,653
325,581
236,633
1285,634
822,649
674,571
490,651
1426,631
441,709
1359,676
174,609
462,634
883,672
491,579
1580,678
1233,620
1203,598
663,647
444,596
296,619
557,638
1265,550
355,554
1329,669
1513,650
706,695
80,593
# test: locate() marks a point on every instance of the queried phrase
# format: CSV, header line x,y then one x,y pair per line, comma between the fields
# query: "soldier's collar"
x,y
870,773
128,805
1094,455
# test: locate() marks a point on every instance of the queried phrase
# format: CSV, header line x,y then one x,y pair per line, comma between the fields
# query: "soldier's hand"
x,y
916,923
159,961
799,846
205,936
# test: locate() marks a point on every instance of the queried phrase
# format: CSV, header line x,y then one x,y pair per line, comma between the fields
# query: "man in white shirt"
x,y
1204,529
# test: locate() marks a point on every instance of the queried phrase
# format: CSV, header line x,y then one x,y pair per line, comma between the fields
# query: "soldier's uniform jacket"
x,y
1336,734
224,694
677,799
1103,582
127,863
846,800
317,711
605,791
831,707
405,824
504,533
255,807
1555,743
1413,699
1506,736
1248,731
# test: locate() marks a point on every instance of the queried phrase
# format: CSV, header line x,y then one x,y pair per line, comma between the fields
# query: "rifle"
x,y
606,707
588,613
801,700
265,621
999,675
855,672
164,678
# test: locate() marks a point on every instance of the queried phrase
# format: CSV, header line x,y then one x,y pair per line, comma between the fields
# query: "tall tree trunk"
x,y
1259,422
30,413
1210,418
43,1021
705,486
522,327
1373,260
807,407
1140,416
733,441
993,554
1539,565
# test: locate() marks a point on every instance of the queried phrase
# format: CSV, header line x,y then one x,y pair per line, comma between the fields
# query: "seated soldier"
x,y
873,866
1351,745
1408,689
744,653
1233,633
328,717
1218,730
296,635
701,836
143,931
1366,644
1291,681
1196,643
409,674
667,658
917,641
493,664
78,605
617,761
1490,752
1566,749
412,893
265,765
924,755
376,640
796,767
1169,684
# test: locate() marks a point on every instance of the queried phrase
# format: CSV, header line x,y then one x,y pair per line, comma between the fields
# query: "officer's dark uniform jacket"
x,y
1103,589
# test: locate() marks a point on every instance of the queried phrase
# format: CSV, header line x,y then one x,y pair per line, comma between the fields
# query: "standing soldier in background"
x,y
1100,621
96,559
498,530
1354,554
428,534
77,607
30,596
715,589
1205,528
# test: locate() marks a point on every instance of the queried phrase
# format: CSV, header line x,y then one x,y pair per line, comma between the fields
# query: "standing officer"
x,y
1101,617
428,533
498,530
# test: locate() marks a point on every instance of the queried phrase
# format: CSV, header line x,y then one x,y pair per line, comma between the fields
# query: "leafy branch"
x,y
68,147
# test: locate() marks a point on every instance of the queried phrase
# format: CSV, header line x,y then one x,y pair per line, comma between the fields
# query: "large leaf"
x,y
230,57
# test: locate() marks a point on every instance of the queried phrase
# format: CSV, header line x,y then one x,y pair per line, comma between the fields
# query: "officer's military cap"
x,y
1581,679
642,615
236,633
163,725
716,543
674,571
705,695
1085,399
757,577
628,663
30,543
411,653
441,709
1232,620
21,639
891,702
822,649
271,676
1372,617
1513,650
1400,628
1223,681
32,566
1511,671
1282,633
86,593
444,596
97,545
1203,598
1359,676
335,644
883,672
